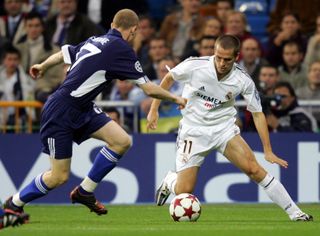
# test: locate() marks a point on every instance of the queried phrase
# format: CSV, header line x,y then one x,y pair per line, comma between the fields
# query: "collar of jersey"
x,y
115,32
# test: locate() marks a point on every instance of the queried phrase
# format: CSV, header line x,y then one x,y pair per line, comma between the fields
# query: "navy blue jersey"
x,y
94,64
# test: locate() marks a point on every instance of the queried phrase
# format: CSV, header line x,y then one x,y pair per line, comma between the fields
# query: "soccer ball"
x,y
185,207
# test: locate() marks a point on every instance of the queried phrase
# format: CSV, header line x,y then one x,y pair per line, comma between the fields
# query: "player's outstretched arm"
x,y
262,128
153,115
161,92
37,70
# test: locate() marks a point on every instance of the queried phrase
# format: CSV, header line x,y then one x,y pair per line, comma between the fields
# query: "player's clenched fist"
x,y
36,71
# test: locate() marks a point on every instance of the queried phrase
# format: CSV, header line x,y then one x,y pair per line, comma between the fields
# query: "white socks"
x,y
17,201
279,195
88,185
171,180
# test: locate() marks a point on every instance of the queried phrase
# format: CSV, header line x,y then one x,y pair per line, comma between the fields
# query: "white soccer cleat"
x,y
163,191
301,216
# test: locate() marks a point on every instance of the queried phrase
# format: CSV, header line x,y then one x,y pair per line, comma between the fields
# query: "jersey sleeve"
x,y
69,52
181,72
125,65
252,97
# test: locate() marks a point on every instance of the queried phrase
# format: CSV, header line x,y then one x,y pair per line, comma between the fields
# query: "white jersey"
x,y
210,101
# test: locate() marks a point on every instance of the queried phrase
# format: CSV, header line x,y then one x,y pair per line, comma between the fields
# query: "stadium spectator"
x,y
158,49
141,42
3,44
236,25
223,9
208,123
252,59
268,77
203,47
12,25
125,90
169,115
306,10
293,70
212,28
289,31
182,25
15,84
10,218
115,115
288,116
35,48
70,26
206,46
312,90
313,47
69,114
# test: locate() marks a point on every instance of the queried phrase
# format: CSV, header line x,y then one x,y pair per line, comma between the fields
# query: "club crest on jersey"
x,y
138,66
229,96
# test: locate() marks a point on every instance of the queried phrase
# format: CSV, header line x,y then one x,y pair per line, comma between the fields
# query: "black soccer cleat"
x,y
11,218
89,201
10,206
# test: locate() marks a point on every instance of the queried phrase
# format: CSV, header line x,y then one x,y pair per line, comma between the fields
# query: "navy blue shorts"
x,y
61,124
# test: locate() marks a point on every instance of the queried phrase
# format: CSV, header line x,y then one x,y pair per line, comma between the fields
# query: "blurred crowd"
x,y
283,60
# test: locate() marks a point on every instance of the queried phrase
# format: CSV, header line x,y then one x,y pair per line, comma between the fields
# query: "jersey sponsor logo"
x,y
210,102
208,98
138,66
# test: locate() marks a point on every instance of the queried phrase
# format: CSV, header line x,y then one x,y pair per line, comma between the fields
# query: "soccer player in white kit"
x,y
211,85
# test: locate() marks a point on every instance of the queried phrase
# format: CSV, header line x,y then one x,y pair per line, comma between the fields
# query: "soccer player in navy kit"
x,y
70,115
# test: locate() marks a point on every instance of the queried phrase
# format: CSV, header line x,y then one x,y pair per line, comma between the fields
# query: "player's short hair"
x,y
125,19
228,41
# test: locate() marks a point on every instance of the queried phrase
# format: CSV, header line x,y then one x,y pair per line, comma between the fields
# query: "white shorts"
x,y
194,143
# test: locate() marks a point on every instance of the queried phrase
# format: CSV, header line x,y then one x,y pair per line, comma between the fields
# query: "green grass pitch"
x,y
215,220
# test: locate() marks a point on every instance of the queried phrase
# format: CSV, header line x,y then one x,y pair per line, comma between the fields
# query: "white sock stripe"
x,y
39,184
269,183
106,151
108,155
110,158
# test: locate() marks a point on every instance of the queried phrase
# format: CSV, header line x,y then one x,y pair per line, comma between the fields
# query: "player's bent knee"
x,y
59,179
253,171
125,143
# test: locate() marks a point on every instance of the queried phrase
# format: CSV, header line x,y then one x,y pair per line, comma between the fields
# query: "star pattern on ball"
x,y
188,212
